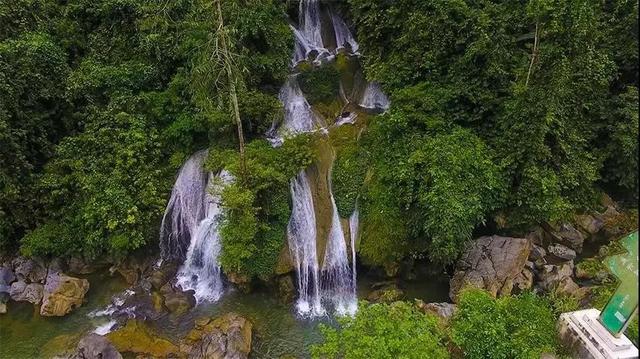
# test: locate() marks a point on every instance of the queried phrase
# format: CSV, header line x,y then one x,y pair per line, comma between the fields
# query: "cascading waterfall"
x,y
343,34
298,116
337,278
189,230
354,224
334,283
201,270
301,233
185,210
374,98
310,25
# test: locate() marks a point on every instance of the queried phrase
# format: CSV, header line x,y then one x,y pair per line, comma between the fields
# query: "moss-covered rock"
x,y
138,338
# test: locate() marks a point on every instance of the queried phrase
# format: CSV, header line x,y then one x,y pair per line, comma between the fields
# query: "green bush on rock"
x,y
510,327
385,331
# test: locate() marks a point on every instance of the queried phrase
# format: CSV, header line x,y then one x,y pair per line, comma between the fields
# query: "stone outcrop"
x,y
228,337
562,252
138,338
6,278
29,270
94,346
491,263
162,275
565,234
178,302
62,294
444,310
557,278
23,292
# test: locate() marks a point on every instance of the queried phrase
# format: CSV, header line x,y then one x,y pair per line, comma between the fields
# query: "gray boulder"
x,y
557,278
228,337
29,270
491,263
566,234
95,346
23,292
562,252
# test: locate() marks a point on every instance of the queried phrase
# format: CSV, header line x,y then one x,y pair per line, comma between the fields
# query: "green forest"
x,y
504,116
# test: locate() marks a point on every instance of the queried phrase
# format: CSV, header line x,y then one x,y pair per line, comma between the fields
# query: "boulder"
x,y
524,280
6,277
138,338
385,294
28,270
178,302
537,253
536,236
133,269
557,278
23,292
588,223
491,263
562,252
94,346
162,275
442,310
228,337
62,294
565,234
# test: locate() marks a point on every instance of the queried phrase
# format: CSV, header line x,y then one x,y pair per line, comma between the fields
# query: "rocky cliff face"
x,y
492,263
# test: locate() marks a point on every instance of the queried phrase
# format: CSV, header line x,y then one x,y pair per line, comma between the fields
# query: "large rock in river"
x,y
95,346
228,337
491,263
138,338
23,292
62,294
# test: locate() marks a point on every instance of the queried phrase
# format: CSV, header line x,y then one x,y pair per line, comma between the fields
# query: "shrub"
x,y
383,331
509,327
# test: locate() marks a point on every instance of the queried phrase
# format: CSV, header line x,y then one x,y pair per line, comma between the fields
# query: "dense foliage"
x,y
257,208
542,94
521,111
100,102
395,330
510,327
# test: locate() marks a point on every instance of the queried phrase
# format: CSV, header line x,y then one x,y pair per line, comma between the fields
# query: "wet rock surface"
x,y
62,294
23,292
228,337
491,263
138,338
94,346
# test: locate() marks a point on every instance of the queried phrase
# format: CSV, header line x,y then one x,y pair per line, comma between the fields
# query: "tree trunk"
x,y
232,88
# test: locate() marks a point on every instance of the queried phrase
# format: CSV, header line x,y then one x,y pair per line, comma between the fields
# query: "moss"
x,y
320,85
137,337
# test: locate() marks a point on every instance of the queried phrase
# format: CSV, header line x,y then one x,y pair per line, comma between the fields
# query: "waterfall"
x,y
201,270
310,25
374,98
298,115
302,46
354,224
301,233
343,34
185,210
189,230
337,277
